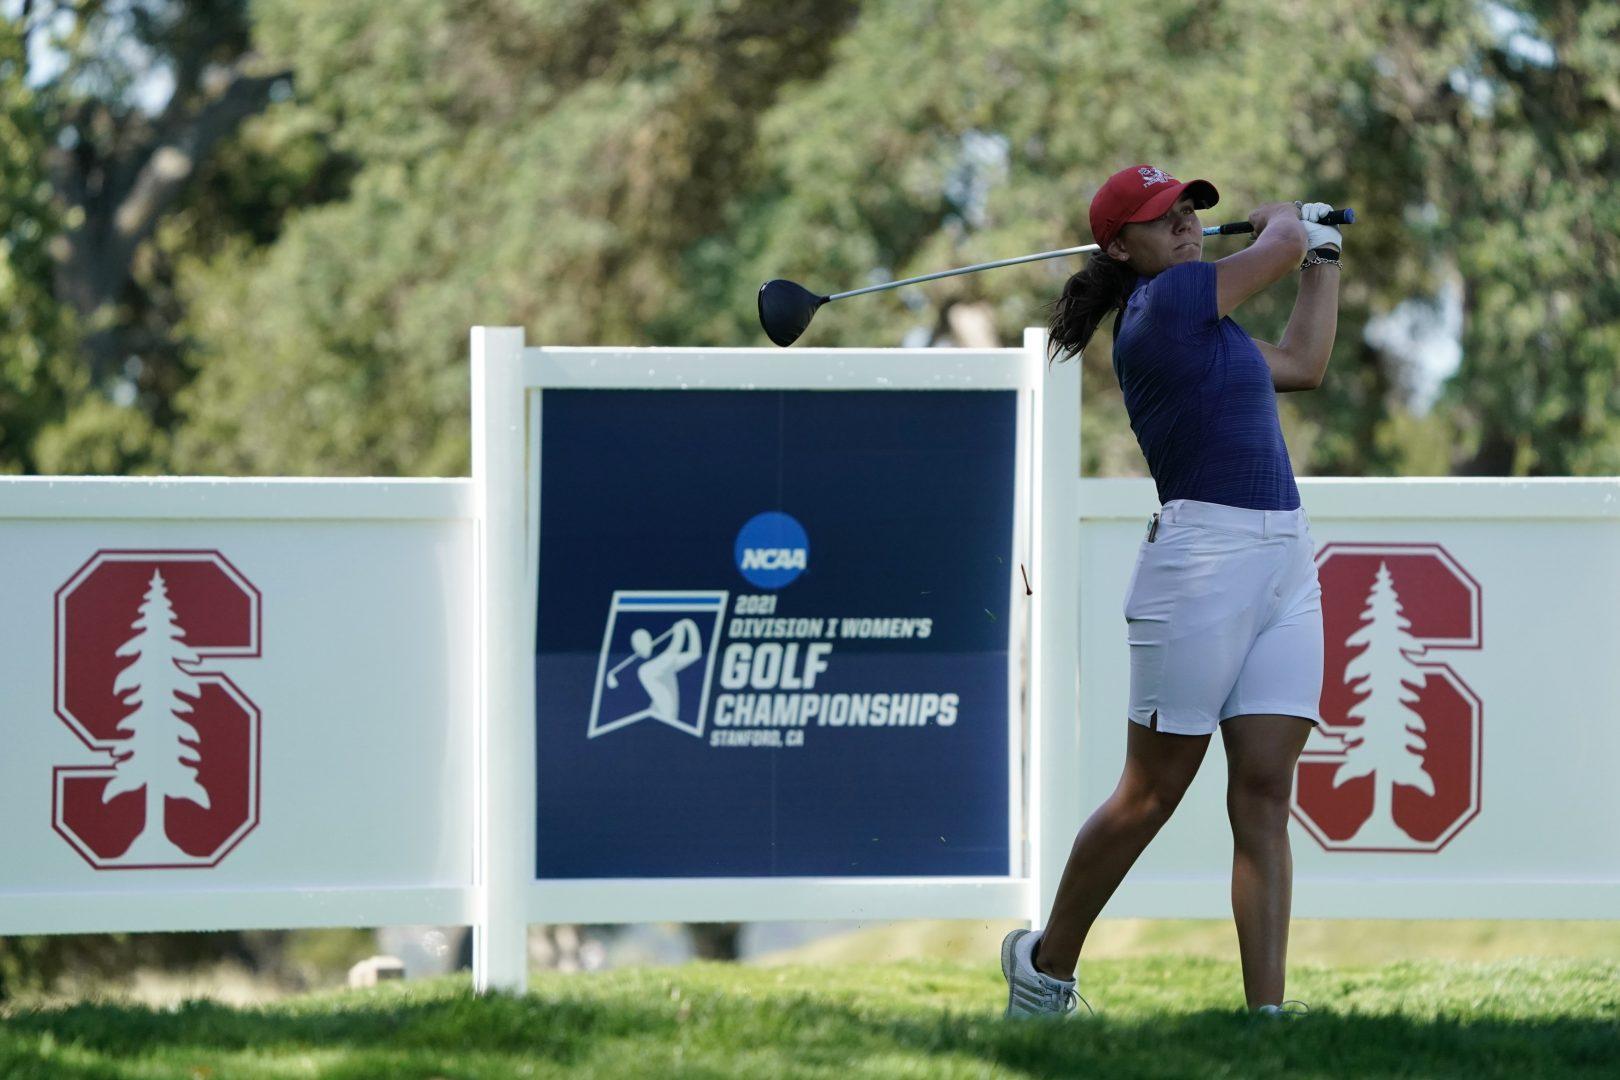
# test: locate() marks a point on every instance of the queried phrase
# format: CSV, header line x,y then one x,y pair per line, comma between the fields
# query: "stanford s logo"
x,y
177,780
1395,766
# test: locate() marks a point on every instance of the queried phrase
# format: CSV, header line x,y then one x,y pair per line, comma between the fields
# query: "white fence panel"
x,y
318,769
1511,590
324,692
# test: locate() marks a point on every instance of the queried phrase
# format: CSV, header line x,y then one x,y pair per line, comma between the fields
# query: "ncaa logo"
x,y
657,660
772,550
1396,764
138,637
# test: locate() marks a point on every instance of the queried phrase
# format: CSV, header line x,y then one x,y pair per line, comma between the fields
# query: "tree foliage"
x,y
37,342
629,173
233,285
1516,128
523,162
291,291
132,101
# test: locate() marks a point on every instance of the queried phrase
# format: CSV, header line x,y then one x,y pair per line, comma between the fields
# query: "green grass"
x,y
1156,1017
1331,942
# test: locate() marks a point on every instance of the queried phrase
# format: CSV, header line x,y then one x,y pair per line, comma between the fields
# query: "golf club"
x,y
786,307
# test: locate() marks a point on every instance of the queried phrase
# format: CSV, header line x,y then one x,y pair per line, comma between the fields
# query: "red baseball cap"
x,y
1142,193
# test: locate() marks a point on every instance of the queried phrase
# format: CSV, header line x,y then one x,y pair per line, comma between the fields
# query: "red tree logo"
x,y
178,784
1395,765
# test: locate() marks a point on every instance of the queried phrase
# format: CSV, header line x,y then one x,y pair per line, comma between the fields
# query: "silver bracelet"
x,y
1320,257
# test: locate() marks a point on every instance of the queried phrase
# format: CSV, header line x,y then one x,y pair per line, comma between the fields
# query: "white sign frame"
x,y
509,380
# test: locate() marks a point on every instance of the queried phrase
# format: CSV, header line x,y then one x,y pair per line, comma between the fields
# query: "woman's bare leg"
x,y
1261,753
1158,768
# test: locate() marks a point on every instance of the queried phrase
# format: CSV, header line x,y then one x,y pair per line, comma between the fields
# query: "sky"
x,y
152,92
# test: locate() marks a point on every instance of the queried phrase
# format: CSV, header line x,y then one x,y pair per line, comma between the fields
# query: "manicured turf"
x,y
1325,942
1156,1017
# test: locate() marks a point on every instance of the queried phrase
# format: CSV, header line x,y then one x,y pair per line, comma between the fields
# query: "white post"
x,y
1055,806
506,802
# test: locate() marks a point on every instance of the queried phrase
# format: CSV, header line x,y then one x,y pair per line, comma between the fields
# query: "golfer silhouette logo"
x,y
659,674
660,637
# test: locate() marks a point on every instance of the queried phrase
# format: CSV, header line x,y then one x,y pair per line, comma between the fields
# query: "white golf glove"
x,y
1318,235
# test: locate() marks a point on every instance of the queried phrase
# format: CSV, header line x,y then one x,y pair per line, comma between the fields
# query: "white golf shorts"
x,y
1224,618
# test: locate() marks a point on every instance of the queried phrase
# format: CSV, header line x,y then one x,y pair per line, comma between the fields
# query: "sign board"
x,y
775,633
783,648
218,698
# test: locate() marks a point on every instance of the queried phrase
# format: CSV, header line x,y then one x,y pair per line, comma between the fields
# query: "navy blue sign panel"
x,y
773,633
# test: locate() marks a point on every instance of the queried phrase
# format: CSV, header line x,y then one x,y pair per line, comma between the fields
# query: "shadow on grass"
x,y
555,1029
1220,1043
804,1033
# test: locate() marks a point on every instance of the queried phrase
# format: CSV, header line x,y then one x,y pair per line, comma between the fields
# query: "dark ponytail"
x,y
1096,289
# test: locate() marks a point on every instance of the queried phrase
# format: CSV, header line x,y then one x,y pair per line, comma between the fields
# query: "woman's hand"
x,y
1266,213
1317,235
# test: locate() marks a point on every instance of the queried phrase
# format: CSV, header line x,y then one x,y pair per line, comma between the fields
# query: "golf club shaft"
x,y
975,268
1232,228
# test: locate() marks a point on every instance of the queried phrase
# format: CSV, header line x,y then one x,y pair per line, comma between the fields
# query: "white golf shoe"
x,y
1031,992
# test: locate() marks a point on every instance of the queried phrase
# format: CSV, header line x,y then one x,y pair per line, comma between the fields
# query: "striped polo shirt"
x,y
1199,396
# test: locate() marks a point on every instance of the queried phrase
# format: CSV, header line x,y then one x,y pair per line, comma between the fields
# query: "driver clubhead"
x,y
785,309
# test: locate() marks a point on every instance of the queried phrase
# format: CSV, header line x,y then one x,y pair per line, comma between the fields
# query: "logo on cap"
x,y
1151,175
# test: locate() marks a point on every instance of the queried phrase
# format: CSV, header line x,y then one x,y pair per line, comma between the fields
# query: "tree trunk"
x,y
124,179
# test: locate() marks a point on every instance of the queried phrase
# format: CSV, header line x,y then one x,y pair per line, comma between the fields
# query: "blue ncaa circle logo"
x,y
772,549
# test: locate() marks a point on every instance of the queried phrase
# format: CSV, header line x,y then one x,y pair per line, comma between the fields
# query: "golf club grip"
x,y
1336,218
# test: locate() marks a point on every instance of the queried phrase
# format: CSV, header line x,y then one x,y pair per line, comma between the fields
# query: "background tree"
x,y
118,169
296,287
630,173
135,104
38,370
1514,119
948,133
524,162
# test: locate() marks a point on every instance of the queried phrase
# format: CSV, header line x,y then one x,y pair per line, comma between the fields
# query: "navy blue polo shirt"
x,y
1199,396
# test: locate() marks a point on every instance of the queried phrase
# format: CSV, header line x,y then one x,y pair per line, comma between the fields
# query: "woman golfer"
x,y
1223,611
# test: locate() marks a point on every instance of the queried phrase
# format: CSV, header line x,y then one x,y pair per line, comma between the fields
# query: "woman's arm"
x,y
1278,247
1300,359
